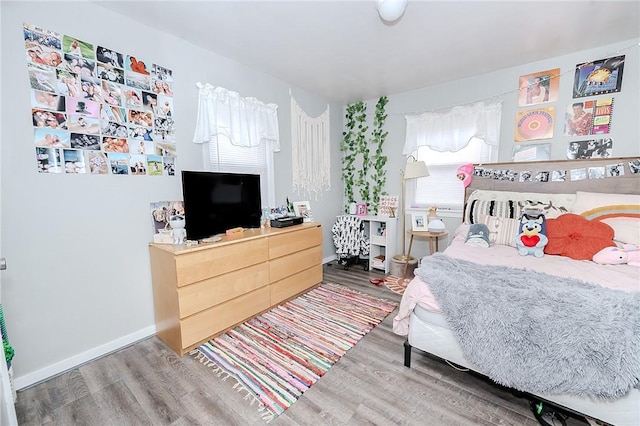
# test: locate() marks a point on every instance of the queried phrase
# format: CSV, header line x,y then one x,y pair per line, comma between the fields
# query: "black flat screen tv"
x,y
215,202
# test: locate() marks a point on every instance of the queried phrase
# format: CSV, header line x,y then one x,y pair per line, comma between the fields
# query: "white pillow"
x,y
502,230
620,211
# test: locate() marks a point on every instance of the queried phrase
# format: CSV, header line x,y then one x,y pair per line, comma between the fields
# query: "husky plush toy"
x,y
532,236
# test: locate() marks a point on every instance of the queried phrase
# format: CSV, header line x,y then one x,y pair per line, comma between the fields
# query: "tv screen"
x,y
215,202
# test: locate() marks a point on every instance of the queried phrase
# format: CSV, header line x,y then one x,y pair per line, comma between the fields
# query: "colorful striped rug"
x,y
278,355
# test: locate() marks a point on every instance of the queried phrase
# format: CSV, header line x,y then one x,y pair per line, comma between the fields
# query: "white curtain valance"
x,y
452,131
245,121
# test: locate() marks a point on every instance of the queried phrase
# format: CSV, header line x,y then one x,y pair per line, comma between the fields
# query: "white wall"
x,y
502,86
79,281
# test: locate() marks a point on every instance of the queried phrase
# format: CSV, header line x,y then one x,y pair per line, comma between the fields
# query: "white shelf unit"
x,y
382,238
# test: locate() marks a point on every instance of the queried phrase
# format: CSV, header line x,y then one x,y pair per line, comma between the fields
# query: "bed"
x,y
435,314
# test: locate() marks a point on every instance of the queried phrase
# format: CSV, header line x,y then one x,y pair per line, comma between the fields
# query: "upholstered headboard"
x,y
617,176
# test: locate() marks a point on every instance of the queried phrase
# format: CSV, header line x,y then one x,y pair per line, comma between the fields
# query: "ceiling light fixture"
x,y
391,10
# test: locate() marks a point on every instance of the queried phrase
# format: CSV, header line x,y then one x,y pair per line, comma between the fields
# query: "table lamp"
x,y
413,170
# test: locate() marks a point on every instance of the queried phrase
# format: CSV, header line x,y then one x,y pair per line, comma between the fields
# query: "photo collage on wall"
x,y
583,117
95,110
600,172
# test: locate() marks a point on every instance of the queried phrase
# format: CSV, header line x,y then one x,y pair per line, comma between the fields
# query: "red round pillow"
x,y
573,236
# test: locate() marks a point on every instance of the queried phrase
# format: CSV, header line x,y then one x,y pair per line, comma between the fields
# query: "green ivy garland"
x,y
355,144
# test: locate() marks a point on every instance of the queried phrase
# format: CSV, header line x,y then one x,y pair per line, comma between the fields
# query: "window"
x,y
442,187
222,156
444,141
242,134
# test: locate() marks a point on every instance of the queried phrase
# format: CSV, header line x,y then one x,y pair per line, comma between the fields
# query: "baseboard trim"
x,y
30,379
329,259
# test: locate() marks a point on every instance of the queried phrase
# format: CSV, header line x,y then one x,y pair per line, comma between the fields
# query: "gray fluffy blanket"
x,y
536,332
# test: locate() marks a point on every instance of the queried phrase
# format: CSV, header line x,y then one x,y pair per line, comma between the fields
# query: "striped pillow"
x,y
502,231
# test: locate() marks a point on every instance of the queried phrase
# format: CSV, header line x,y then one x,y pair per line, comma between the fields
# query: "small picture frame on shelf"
x,y
361,209
303,208
419,221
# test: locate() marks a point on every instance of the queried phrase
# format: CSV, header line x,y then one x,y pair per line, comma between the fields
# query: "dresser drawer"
x,y
203,264
291,242
285,266
203,325
295,284
197,297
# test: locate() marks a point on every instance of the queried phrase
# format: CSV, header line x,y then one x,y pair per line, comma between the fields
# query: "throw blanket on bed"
x,y
536,332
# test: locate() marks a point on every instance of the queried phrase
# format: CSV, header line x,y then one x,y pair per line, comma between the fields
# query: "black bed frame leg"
x,y
407,354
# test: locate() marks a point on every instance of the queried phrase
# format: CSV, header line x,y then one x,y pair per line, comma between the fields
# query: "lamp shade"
x,y
416,169
391,10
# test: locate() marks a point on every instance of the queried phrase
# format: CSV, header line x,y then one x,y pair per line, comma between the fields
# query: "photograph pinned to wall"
x,y
137,81
114,129
113,113
162,88
419,221
49,119
51,138
596,172
477,171
578,174
97,161
487,173
73,161
161,73
84,124
68,83
154,165
46,100
91,89
578,118
634,166
83,107
150,103
110,73
140,118
525,176
165,149
82,141
531,152
80,66
598,77
49,160
41,36
132,98
558,176
136,65
109,57
165,106
595,148
142,134
534,124
115,144
303,209
119,163
141,147
137,165
539,87
615,170
602,116
42,77
77,47
542,176
169,166
111,93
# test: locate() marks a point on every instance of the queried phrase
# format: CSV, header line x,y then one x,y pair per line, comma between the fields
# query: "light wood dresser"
x,y
201,291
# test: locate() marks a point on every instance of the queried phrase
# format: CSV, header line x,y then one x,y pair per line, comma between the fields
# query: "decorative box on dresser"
x,y
201,291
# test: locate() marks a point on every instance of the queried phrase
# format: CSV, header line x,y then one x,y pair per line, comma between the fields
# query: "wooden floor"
x,y
147,383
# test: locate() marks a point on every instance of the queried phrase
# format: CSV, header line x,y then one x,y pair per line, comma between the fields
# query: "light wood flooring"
x,y
148,384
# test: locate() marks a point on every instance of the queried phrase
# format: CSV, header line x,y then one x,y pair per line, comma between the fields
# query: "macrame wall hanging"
x,y
310,151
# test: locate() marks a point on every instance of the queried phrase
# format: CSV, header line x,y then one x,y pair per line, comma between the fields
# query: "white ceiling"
x,y
344,52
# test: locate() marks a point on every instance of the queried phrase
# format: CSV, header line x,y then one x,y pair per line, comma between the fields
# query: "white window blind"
x,y
223,156
442,188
